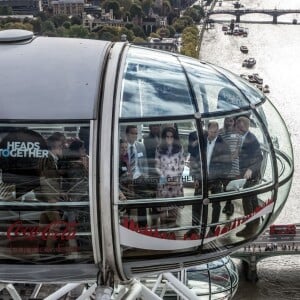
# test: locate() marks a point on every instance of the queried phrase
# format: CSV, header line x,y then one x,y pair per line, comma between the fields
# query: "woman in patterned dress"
x,y
169,161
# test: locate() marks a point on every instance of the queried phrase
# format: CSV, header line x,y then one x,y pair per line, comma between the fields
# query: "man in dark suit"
x,y
250,159
218,158
138,170
219,162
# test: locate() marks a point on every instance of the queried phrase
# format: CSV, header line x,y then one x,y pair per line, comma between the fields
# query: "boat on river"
x,y
257,78
249,62
244,49
266,89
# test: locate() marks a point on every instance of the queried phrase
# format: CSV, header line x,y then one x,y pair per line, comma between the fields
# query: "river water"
x,y
276,49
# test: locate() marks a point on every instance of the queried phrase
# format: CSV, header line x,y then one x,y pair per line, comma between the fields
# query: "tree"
x,y
172,30
75,20
146,5
67,24
166,8
62,32
163,32
138,31
37,25
18,25
181,23
109,33
42,16
114,5
154,35
58,20
190,42
138,40
78,31
6,10
136,10
129,33
48,26
125,4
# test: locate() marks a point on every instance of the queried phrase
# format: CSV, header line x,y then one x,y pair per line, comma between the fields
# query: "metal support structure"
x,y
11,290
178,286
62,291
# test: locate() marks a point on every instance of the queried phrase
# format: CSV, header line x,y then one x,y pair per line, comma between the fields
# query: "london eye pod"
x,y
106,160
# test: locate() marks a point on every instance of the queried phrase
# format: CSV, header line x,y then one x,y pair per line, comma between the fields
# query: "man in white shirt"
x,y
218,166
218,158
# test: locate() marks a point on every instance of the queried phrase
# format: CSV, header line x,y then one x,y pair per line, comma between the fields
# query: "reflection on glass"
x,y
280,138
214,92
217,279
44,172
154,86
283,192
252,94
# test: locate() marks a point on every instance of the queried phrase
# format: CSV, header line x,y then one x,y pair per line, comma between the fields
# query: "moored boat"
x,y
266,89
257,78
251,78
225,27
249,63
259,86
244,49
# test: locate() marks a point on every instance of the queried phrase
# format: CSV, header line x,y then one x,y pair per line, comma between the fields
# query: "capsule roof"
x,y
50,78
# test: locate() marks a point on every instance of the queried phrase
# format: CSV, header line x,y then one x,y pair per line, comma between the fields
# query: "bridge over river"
x,y
275,13
267,246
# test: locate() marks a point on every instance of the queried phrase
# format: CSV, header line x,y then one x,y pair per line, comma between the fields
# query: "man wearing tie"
x,y
218,157
138,170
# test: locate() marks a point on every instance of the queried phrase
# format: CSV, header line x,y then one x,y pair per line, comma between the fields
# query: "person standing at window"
x,y
218,158
138,170
170,165
250,159
234,141
123,170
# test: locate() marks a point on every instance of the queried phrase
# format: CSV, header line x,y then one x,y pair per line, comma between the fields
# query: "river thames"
x,y
276,49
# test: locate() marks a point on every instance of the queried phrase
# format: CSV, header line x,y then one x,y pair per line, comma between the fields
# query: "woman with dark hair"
x,y
169,161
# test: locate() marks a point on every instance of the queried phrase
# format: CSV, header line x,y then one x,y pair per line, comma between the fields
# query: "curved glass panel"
x,y
159,170
217,279
206,281
196,185
253,94
214,92
249,216
164,191
220,280
283,192
280,139
154,85
44,199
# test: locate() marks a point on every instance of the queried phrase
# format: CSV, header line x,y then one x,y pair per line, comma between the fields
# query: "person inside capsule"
x,y
250,160
138,169
232,137
169,166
